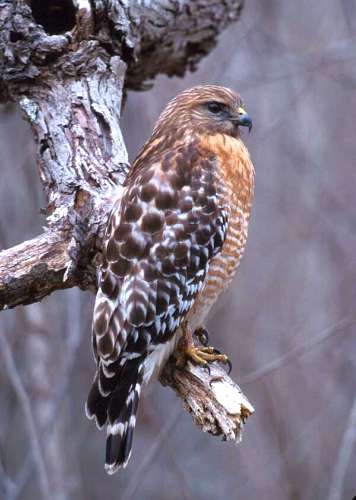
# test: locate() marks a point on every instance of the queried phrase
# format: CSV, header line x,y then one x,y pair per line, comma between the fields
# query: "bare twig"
x,y
14,489
21,478
276,364
135,482
6,483
344,456
30,422
69,357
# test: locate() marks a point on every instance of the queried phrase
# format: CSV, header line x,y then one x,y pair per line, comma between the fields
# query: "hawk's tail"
x,y
113,399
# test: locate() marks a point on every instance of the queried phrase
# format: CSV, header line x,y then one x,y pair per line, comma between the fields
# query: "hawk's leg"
x,y
202,355
203,335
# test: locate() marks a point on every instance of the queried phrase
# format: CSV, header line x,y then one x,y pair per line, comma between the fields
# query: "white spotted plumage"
x,y
161,260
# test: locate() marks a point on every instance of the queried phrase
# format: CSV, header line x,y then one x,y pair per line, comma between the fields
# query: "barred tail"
x,y
122,417
114,400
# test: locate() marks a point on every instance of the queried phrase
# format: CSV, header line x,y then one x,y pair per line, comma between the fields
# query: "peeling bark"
x,y
216,404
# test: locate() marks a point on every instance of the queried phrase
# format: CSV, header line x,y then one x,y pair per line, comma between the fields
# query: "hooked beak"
x,y
243,119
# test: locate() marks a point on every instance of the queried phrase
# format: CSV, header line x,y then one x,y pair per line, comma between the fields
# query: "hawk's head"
x,y
208,109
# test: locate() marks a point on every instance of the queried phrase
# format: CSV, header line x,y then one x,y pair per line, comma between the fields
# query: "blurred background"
x,y
288,324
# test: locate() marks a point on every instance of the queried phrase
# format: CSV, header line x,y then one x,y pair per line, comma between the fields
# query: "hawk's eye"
x,y
215,107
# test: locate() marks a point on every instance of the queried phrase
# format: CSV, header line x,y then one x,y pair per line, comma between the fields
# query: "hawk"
x,y
173,243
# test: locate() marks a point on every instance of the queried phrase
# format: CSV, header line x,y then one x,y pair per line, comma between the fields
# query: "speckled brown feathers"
x,y
173,241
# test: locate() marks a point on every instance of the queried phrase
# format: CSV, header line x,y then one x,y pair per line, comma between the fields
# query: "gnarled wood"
x,y
216,403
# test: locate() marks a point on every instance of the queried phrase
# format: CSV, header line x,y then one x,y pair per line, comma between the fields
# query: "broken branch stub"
x,y
216,403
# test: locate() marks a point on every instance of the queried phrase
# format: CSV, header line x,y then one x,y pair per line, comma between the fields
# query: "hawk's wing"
x,y
161,236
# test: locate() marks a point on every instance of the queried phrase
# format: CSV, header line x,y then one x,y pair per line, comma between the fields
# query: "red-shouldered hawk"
x,y
173,243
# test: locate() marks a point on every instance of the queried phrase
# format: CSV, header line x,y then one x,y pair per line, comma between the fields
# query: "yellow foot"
x,y
206,354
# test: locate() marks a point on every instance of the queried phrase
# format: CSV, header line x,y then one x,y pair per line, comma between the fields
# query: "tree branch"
x,y
216,404
33,269
171,37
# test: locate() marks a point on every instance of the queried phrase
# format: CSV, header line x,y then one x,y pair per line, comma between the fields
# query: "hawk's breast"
x,y
235,178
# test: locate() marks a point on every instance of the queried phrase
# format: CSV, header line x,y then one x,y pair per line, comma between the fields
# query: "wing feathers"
x,y
169,224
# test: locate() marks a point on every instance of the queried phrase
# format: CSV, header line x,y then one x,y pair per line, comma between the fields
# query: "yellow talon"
x,y
207,354
201,355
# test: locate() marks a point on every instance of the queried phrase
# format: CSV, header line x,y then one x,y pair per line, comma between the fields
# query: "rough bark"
x,y
45,257
68,64
216,404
